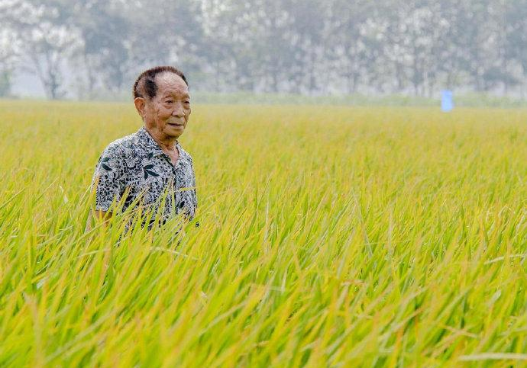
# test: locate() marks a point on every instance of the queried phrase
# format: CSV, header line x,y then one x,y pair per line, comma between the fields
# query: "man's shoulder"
x,y
123,146
185,154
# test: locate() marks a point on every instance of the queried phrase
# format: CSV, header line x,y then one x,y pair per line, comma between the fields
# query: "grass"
x,y
330,236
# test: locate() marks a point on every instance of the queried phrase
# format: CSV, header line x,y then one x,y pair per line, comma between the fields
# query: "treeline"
x,y
289,46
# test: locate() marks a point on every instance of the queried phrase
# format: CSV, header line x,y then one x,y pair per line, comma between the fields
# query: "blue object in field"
x,y
447,100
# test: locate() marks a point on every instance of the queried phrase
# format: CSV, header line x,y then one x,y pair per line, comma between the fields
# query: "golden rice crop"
x,y
329,237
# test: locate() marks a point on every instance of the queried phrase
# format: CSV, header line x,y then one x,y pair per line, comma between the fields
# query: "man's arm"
x,y
98,216
107,184
102,215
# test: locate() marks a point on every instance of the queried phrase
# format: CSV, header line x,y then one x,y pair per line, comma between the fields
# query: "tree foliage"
x,y
292,46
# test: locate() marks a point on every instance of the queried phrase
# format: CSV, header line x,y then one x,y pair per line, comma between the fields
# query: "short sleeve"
x,y
108,178
191,199
194,193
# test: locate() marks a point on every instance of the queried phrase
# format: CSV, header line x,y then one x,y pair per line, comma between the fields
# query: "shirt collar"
x,y
149,144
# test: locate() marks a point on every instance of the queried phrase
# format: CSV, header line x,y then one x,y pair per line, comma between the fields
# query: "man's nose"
x,y
179,111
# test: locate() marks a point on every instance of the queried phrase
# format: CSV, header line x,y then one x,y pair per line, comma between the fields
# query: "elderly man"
x,y
150,168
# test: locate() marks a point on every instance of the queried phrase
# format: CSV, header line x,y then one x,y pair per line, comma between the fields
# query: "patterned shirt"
x,y
136,164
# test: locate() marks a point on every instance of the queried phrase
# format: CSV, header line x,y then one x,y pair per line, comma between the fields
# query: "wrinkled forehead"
x,y
171,84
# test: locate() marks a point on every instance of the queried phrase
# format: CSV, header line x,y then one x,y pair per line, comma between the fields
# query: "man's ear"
x,y
139,103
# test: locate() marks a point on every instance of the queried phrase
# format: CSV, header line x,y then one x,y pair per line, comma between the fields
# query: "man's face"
x,y
166,115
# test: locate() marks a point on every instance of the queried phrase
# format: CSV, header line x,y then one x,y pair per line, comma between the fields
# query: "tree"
x,y
45,42
299,46
10,48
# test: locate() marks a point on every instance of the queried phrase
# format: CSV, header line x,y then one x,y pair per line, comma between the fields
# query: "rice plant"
x,y
328,237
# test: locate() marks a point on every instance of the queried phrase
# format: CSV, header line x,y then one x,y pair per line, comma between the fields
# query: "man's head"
x,y
162,99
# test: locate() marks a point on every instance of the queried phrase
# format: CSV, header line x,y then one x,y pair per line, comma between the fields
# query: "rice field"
x,y
329,237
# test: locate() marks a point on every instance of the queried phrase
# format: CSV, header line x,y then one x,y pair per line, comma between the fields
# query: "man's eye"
x,y
187,102
169,101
